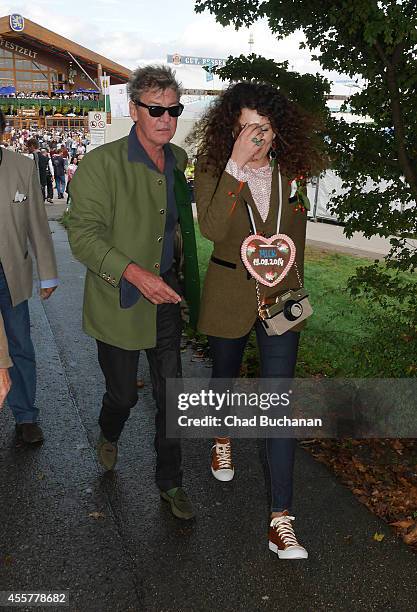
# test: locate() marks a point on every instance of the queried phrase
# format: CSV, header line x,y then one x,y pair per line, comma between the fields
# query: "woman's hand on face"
x,y
246,146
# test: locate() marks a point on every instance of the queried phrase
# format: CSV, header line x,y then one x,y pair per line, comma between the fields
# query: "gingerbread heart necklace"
x,y
268,260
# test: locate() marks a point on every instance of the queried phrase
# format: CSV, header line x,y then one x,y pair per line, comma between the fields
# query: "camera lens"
x,y
293,310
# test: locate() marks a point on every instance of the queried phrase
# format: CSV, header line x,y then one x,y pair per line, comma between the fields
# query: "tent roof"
x,y
45,40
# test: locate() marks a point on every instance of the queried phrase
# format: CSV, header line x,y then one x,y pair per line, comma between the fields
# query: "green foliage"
x,y
374,41
392,290
307,90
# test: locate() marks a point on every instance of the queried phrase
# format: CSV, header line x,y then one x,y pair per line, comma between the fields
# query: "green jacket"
x,y
118,217
228,304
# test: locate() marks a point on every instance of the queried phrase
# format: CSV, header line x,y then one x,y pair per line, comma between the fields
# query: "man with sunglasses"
x,y
129,199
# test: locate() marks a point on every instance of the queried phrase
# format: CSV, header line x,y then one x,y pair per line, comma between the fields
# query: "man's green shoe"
x,y
106,452
180,504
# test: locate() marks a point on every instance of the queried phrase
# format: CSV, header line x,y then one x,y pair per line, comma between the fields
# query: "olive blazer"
x,y
228,304
23,221
117,216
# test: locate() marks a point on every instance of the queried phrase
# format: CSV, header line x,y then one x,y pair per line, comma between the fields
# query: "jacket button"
x,y
156,266
160,238
162,211
160,181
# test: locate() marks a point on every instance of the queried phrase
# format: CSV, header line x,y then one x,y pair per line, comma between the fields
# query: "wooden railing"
x,y
11,105
23,121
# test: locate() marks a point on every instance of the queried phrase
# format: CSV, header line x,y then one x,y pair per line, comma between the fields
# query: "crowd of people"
x,y
56,153
70,95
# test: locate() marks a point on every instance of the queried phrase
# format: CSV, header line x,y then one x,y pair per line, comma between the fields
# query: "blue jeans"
x,y
60,184
21,398
278,355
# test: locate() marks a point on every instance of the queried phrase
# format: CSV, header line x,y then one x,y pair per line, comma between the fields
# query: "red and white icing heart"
x,y
268,260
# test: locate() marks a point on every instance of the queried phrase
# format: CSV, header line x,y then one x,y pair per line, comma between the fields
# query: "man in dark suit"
x,y
41,163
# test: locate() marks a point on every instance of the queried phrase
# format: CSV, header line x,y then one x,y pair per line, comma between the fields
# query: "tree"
x,y
375,41
308,90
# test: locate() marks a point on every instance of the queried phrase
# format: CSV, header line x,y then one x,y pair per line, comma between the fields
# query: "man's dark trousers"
x,y
49,187
120,366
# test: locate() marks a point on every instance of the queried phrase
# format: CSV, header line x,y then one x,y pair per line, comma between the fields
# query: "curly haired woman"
x,y
252,143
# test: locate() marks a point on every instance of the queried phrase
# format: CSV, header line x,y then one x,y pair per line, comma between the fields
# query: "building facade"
x,y
34,59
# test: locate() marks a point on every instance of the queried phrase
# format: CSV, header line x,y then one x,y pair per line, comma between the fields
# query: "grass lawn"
x,y
333,340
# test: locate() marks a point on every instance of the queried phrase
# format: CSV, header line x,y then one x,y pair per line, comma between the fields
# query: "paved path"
x,y
136,556
57,209
331,237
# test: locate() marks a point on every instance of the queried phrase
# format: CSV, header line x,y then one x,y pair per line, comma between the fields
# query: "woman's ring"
x,y
257,141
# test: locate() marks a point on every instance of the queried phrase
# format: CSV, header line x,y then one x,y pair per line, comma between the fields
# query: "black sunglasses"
x,y
158,111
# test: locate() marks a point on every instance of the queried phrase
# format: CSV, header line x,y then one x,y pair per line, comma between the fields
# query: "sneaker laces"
x,y
224,455
283,526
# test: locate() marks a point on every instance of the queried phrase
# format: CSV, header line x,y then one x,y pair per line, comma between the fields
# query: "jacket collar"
x,y
136,153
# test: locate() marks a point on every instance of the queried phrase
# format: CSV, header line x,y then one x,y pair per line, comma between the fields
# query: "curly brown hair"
x,y
298,148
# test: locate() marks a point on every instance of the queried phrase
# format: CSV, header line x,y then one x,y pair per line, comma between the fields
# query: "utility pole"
x,y
251,42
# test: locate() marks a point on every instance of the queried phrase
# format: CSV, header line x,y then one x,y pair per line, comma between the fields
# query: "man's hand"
x,y
46,293
152,287
5,384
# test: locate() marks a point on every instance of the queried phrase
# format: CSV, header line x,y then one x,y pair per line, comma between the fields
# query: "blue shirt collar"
x,y
136,153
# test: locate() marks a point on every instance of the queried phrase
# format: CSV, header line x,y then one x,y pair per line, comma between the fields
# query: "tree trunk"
x,y
409,171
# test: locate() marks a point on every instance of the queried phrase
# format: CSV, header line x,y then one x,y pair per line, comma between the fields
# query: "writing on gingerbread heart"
x,y
268,260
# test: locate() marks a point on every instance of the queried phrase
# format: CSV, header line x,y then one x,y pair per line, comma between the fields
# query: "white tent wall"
x,y
320,191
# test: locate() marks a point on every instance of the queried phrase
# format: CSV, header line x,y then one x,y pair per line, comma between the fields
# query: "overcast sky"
x,y
140,31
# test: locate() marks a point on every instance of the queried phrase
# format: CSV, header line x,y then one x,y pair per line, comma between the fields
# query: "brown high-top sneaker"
x,y
221,460
282,538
